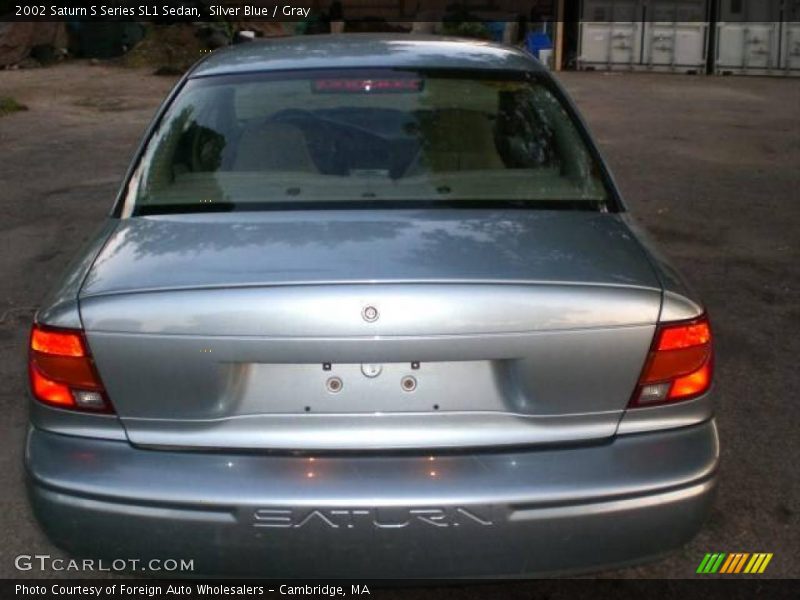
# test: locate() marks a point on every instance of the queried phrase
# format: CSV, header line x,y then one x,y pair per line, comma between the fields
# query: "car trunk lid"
x,y
489,327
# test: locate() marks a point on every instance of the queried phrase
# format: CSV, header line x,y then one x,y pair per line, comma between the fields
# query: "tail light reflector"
x,y
62,372
679,365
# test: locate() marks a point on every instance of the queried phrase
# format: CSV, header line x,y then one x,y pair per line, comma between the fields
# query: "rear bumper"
x,y
510,513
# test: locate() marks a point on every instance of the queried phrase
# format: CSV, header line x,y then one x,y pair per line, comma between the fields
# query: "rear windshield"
x,y
257,142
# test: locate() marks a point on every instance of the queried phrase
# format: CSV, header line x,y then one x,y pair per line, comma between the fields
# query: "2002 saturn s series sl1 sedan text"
x,y
371,306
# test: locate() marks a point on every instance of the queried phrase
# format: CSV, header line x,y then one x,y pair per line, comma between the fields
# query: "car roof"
x,y
365,51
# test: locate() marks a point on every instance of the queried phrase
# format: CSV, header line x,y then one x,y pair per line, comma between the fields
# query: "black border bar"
x,y
358,11
731,588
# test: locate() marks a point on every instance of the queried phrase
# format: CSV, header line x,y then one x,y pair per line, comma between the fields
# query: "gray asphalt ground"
x,y
710,166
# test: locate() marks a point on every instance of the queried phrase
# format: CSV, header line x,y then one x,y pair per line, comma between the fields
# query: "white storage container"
x,y
612,45
754,37
790,38
669,35
748,48
676,46
676,35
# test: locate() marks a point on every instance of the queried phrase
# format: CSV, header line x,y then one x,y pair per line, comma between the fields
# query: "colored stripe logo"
x,y
735,562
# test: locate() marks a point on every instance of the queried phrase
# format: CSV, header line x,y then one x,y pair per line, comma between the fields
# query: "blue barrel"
x,y
537,41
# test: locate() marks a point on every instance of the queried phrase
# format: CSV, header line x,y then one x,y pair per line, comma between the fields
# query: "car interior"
x,y
230,141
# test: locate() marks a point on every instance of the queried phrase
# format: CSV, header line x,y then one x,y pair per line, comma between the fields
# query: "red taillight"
x,y
62,372
59,343
679,366
49,391
675,337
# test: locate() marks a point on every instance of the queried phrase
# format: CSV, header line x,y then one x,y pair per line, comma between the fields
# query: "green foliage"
x,y
8,105
469,29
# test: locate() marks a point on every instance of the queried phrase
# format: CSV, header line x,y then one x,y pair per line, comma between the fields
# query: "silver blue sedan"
x,y
371,306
